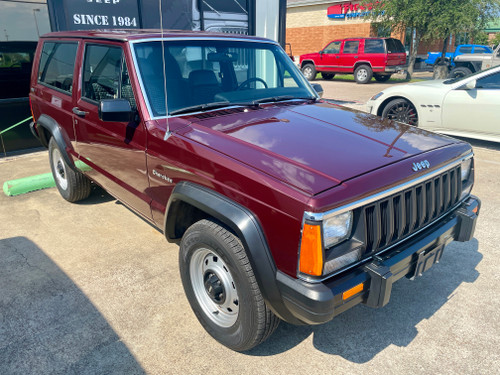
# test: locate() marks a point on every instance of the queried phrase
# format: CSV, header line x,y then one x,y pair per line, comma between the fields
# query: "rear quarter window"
x,y
374,46
467,49
394,46
57,64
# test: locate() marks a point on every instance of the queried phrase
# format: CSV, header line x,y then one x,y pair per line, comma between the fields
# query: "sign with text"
x,y
101,14
349,10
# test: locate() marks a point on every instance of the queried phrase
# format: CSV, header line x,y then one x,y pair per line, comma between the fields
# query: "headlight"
x,y
318,236
376,96
466,168
336,229
467,177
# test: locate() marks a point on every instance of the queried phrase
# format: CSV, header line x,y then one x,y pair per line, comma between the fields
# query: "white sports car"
x,y
467,106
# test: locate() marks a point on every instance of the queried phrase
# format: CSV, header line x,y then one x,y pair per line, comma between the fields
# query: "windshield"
x,y
207,74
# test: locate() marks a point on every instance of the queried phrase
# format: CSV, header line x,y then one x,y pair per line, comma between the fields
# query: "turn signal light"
x,y
350,292
311,251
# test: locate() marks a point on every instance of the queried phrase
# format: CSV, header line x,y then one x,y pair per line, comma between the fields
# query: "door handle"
x,y
355,57
337,57
78,112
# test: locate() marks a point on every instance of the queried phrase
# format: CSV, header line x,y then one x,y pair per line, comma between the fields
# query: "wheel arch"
x,y
304,62
190,202
47,127
358,63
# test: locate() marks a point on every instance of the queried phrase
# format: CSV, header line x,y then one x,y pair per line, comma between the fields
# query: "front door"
x,y
475,110
115,151
329,58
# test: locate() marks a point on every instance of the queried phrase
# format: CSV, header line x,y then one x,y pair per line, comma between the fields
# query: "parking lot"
x,y
91,288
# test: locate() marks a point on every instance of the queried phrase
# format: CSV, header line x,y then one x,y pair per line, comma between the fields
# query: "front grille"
x,y
396,217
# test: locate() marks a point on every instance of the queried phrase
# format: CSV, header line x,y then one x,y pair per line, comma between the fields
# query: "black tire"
x,y
221,287
382,77
309,71
363,74
459,72
401,110
72,185
327,76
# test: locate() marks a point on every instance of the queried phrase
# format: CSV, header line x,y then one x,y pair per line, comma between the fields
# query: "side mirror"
x,y
115,110
471,85
317,87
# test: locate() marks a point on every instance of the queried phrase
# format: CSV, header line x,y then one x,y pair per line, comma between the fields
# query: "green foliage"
x,y
496,39
480,37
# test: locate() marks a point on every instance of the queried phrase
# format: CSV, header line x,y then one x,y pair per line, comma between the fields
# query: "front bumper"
x,y
318,303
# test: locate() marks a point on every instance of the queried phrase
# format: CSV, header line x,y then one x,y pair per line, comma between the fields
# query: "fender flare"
x,y
246,227
49,124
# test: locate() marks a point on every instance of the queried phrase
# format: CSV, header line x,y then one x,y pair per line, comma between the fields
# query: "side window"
x,y
374,46
57,64
102,72
481,50
351,46
491,82
465,49
333,47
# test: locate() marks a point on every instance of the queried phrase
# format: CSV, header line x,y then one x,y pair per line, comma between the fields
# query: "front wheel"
x,y
309,71
401,110
221,287
363,74
72,185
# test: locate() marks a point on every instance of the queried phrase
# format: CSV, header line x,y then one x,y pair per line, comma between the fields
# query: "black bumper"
x,y
318,303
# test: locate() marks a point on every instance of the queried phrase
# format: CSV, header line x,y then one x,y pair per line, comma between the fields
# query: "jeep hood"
x,y
312,147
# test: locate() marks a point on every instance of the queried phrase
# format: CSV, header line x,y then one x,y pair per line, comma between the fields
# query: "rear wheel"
x,y
309,71
328,76
363,74
72,185
221,287
401,110
382,77
459,72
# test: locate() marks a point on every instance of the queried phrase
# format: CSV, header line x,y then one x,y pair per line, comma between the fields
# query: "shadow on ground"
x,y
47,324
359,334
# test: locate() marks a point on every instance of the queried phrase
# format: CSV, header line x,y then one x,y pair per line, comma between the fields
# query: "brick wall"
x,y
312,39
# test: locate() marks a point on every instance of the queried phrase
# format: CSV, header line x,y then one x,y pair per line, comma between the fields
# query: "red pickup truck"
x,y
365,57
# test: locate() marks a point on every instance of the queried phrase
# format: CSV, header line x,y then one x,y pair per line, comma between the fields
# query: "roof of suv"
x,y
138,34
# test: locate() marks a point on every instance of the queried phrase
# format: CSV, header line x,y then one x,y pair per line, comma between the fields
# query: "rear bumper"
x,y
318,303
395,68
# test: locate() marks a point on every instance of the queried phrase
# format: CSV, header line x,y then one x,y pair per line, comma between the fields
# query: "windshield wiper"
x,y
273,99
201,107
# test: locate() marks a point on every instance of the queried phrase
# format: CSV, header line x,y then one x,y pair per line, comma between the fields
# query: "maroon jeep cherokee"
x,y
284,206
363,57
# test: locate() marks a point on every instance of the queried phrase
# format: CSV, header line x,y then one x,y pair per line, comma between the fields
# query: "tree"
x,y
432,19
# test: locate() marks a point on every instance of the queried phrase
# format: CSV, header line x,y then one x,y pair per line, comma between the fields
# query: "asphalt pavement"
x,y
90,288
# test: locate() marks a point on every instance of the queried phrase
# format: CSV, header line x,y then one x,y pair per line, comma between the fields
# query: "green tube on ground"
x,y
27,184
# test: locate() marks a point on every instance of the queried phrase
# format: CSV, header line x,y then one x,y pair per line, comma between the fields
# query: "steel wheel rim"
x,y
59,169
222,310
403,112
362,74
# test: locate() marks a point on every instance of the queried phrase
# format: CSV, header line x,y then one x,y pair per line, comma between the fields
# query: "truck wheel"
x,y
363,74
459,72
382,77
72,185
309,71
401,110
328,76
221,287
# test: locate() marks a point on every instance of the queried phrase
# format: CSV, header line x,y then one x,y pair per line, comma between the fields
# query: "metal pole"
x,y
36,22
